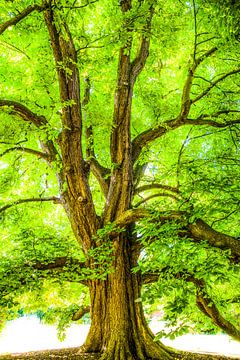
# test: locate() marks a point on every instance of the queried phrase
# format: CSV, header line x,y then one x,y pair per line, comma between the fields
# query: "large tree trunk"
x,y
118,327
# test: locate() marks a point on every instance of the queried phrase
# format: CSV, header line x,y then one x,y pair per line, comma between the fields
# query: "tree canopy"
x,y
119,159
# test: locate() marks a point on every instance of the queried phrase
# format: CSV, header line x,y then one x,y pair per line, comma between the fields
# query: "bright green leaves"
x,y
177,263
202,165
165,251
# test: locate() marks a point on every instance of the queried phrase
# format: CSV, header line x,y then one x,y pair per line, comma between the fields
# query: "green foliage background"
x,y
203,161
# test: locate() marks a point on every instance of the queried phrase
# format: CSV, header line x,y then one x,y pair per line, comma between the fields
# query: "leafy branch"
x,y
39,154
197,231
200,230
23,112
147,136
214,83
155,196
53,199
201,121
186,102
139,62
21,16
208,307
78,6
156,186
15,108
61,266
205,304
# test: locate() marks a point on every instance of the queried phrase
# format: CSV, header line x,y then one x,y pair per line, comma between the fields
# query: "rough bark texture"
x,y
200,230
118,329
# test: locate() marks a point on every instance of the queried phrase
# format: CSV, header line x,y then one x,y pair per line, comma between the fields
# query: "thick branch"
x,y
134,215
120,187
65,57
202,231
77,194
21,16
207,306
140,60
62,266
149,278
39,154
100,172
80,313
53,199
152,134
203,301
197,231
186,102
15,108
59,262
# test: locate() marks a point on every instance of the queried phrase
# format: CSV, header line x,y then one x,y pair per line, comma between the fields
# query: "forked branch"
x,y
186,102
143,139
149,135
139,62
214,83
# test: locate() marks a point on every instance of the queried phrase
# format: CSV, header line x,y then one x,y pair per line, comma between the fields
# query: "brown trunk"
x,y
119,330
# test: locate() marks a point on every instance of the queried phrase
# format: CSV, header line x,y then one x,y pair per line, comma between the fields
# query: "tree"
x,y
133,170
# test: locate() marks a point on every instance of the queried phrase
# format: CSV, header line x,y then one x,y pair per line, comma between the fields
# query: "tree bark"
x,y
118,327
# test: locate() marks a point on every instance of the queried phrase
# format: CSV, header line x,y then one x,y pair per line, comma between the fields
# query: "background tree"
x,y
142,158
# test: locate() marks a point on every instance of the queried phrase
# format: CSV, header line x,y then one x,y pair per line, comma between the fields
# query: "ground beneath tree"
x,y
68,353
71,353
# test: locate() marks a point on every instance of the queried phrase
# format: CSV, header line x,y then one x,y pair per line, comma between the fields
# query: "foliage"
x,y
197,164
